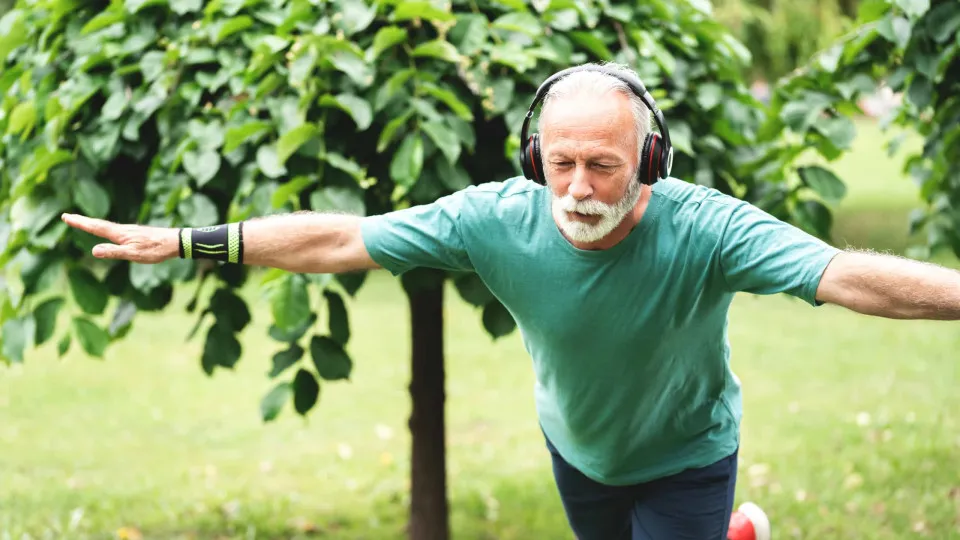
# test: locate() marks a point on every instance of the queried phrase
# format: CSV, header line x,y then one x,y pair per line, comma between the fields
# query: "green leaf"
x,y
520,21
221,348
358,108
339,322
292,140
802,113
306,390
269,162
134,6
453,176
274,401
224,29
709,95
114,106
198,210
286,358
182,7
291,190
464,130
470,33
513,55
473,290
338,199
914,8
103,20
385,38
93,339
292,334
437,48
824,182
871,10
445,139
420,9
18,335
91,295
122,318
407,162
251,131
330,358
63,345
390,130
16,31
592,43
351,281
202,165
394,85
920,92
152,65
207,135
354,67
290,302
349,166
815,218
356,15
230,310
945,22
91,197
895,29
45,316
497,320
839,130
449,99
23,118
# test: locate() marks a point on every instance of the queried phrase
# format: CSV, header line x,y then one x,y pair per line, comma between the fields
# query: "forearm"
x,y
306,242
892,287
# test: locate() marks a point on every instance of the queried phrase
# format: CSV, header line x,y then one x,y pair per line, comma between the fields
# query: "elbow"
x,y
340,249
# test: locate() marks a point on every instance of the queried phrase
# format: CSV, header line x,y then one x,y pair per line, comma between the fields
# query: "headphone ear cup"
x,y
530,160
646,163
538,161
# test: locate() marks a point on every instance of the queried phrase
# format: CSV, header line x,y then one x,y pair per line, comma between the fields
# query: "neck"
x,y
623,229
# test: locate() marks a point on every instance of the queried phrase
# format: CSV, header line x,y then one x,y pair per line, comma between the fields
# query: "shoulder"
x,y
695,204
517,189
509,199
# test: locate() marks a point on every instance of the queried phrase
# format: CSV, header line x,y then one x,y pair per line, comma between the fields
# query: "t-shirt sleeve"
x,y
761,254
420,236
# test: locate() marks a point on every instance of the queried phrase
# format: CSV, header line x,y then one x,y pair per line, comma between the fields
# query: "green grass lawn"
x,y
852,426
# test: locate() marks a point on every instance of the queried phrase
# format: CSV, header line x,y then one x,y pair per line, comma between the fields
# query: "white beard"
x,y
611,214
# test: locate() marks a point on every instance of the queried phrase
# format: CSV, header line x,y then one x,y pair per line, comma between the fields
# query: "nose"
x,y
580,187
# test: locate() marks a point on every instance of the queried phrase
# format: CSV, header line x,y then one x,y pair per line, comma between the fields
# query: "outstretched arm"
x,y
300,242
890,286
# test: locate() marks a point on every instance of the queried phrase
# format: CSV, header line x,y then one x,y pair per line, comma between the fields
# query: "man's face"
x,y
589,149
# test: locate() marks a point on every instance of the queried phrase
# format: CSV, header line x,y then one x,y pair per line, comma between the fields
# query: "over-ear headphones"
x,y
656,158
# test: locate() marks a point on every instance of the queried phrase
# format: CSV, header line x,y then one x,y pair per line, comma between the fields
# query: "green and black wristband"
x,y
220,243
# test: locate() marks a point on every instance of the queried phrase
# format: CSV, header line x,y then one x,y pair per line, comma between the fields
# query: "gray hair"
x,y
597,84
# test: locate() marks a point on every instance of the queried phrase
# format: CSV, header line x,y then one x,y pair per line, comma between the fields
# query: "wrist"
x,y
222,243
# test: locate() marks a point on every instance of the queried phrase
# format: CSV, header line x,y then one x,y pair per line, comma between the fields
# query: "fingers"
x,y
98,227
112,251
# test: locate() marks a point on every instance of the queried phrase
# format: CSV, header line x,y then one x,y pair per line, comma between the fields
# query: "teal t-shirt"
x,y
629,345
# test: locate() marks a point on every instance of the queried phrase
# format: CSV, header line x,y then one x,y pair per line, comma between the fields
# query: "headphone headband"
x,y
630,80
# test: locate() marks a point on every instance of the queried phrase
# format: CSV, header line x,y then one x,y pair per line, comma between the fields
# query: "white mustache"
x,y
588,207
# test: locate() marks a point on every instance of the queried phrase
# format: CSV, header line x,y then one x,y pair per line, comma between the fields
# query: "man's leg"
x,y
694,504
594,511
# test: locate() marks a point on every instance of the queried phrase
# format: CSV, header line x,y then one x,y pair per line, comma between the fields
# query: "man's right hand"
x,y
136,243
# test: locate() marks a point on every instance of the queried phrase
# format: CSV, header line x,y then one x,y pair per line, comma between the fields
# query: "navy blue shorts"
x,y
694,504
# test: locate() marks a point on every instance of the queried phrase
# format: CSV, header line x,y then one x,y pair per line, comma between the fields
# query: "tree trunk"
x,y
428,497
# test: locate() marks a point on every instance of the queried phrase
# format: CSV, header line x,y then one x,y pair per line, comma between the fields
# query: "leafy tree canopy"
x,y
185,113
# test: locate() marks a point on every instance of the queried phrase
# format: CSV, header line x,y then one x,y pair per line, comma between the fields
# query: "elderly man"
x,y
620,278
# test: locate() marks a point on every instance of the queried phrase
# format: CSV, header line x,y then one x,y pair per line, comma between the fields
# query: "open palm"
x,y
135,243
